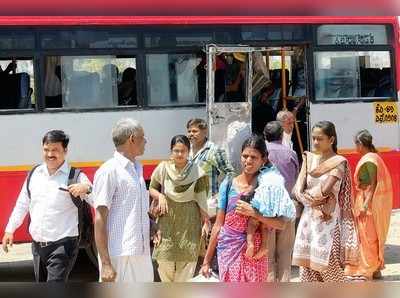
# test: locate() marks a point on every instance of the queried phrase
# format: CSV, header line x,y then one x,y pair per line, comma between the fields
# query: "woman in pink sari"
x,y
230,229
372,208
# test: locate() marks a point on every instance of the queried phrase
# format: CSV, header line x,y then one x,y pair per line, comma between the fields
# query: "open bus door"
x,y
229,97
236,78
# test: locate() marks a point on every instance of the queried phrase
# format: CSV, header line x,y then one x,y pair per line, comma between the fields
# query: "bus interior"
x,y
252,79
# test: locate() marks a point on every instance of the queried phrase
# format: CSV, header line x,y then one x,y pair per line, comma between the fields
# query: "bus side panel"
x,y
90,133
352,117
10,185
349,118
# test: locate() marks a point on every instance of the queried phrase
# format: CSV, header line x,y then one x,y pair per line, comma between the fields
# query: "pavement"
x,y
17,264
392,252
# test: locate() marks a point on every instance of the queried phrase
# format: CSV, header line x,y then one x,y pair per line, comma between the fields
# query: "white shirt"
x,y
52,212
287,140
119,185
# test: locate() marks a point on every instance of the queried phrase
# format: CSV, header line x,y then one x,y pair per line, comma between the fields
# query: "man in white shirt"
x,y
286,119
53,214
122,225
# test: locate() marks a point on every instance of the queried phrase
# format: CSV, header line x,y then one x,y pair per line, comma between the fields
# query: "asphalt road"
x,y
22,271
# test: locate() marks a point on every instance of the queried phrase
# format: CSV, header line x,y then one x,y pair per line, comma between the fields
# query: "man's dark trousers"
x,y
53,261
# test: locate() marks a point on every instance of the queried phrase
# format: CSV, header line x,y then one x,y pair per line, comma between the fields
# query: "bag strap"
x,y
227,191
72,179
28,180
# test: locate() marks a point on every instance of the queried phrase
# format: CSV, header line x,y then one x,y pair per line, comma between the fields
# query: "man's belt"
x,y
48,243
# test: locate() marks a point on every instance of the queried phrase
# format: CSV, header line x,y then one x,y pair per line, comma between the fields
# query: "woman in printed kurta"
x,y
372,208
229,232
326,238
181,189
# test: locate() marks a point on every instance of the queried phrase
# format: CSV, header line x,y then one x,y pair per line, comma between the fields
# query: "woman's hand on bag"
x,y
205,270
162,204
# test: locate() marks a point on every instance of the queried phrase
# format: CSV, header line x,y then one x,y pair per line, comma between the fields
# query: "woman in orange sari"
x,y
372,208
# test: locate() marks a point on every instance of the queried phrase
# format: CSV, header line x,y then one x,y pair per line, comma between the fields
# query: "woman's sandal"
x,y
358,278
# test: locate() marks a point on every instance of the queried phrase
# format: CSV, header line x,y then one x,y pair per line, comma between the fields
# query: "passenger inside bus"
x,y
234,77
11,67
127,88
53,96
268,101
384,88
220,66
16,91
187,78
264,111
376,82
201,77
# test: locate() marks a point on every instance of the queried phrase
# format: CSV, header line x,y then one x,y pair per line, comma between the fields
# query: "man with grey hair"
x,y
121,200
286,119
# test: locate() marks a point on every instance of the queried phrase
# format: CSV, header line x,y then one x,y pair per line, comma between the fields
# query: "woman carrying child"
x,y
239,233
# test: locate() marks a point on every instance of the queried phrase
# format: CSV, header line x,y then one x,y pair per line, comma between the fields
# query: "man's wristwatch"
x,y
89,190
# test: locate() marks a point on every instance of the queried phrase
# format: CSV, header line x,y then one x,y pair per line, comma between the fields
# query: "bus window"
x,y
90,81
17,84
175,79
352,75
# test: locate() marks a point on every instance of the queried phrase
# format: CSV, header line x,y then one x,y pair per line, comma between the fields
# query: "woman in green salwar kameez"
x,y
181,190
